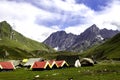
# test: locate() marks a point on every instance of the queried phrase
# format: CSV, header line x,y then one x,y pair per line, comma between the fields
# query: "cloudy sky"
x,y
37,19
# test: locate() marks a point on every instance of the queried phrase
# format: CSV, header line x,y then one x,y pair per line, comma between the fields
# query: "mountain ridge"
x,y
90,37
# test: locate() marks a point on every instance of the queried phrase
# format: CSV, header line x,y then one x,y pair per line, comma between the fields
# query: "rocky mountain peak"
x,y
5,30
60,40
108,33
91,36
5,25
61,32
93,28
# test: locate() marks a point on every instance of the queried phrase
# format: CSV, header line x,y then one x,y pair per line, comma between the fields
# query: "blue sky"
x,y
94,4
37,19
73,20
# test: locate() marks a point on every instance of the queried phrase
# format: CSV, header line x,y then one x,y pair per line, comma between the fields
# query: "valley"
x,y
105,53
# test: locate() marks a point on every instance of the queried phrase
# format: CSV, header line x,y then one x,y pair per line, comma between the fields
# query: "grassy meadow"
x,y
105,70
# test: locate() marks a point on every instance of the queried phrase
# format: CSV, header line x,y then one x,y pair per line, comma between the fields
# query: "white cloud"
x,y
24,16
77,29
110,14
108,18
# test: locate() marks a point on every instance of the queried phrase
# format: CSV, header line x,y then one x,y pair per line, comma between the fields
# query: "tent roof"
x,y
41,64
6,65
61,63
87,59
24,60
77,63
52,63
0,67
15,62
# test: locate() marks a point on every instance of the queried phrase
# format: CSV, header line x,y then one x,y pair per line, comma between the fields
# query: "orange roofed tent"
x,y
62,63
6,66
40,65
53,64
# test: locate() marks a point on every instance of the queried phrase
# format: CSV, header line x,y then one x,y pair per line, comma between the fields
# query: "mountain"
x,y
78,43
60,40
15,45
108,50
92,36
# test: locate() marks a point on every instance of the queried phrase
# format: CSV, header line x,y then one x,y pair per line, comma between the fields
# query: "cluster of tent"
x,y
75,61
41,64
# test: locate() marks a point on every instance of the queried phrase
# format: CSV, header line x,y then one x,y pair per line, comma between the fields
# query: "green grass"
x,y
108,50
101,71
17,45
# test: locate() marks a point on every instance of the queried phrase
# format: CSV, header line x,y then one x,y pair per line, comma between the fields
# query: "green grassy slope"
x,y
16,45
108,50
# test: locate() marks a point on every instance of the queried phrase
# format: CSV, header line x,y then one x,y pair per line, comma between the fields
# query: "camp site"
x,y
59,39
41,69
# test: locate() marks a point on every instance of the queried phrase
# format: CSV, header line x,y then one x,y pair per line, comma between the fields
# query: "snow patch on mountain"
x,y
99,37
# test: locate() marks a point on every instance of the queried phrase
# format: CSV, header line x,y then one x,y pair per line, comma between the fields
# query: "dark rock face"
x,y
61,39
70,42
108,33
87,39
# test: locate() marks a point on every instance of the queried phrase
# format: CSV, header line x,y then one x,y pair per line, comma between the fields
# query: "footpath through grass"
x,y
102,71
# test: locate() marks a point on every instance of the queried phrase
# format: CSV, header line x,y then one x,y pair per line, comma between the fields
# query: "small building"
x,y
62,64
6,66
40,65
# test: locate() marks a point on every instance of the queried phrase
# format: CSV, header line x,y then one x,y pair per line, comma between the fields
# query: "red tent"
x,y
62,63
40,65
53,64
6,66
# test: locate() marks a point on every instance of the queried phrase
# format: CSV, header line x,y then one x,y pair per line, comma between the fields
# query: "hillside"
x,y
15,45
108,50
